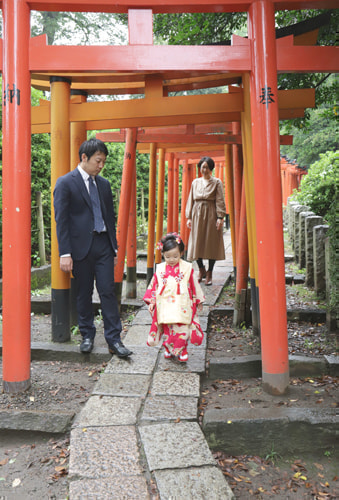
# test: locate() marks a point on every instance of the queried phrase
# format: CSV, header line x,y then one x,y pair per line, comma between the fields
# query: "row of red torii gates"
x,y
256,104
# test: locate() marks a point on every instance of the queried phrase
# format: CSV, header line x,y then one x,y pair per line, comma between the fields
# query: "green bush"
x,y
319,190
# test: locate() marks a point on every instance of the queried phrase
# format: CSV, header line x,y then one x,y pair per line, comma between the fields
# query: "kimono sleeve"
x,y
149,296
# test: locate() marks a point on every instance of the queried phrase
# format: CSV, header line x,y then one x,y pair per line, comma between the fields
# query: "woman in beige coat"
x,y
205,212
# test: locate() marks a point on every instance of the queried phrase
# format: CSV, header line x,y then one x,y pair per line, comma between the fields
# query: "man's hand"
x,y
66,264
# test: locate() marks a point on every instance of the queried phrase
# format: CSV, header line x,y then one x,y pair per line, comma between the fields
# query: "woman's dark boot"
x,y
202,274
208,281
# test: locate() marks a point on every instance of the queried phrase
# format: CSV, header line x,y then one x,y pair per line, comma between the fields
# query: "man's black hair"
x,y
92,146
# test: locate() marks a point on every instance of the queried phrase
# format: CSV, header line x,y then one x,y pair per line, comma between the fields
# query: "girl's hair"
x,y
209,162
171,240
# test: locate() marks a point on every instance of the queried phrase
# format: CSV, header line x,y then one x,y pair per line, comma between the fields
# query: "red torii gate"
x,y
260,57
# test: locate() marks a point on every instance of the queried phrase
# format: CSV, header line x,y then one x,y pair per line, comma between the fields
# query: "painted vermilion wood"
x,y
230,196
170,192
151,210
176,195
16,198
125,200
160,202
131,274
60,165
184,195
140,26
237,180
268,200
173,110
242,246
246,131
122,6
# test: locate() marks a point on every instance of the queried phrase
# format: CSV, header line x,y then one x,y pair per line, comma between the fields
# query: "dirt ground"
x,y
281,478
35,465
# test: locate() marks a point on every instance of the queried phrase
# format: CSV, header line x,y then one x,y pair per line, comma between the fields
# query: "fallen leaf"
x,y
16,482
59,468
31,398
4,462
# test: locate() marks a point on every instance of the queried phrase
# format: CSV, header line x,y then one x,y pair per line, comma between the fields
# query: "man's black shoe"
x,y
86,345
119,349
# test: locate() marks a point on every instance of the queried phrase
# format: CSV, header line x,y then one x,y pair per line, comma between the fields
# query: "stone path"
x,y
139,427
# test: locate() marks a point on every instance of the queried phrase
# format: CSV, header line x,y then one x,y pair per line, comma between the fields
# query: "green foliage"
x,y
79,27
319,187
197,29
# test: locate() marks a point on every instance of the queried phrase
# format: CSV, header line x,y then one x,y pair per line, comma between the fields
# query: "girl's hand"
x,y
189,223
199,307
151,308
220,223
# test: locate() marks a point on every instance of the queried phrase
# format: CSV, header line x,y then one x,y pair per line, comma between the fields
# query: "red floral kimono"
x,y
176,293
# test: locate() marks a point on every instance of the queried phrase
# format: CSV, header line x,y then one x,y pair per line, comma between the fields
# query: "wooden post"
x,y
124,207
151,211
242,263
41,231
230,196
176,196
78,136
268,199
160,207
246,133
170,192
16,197
131,271
60,165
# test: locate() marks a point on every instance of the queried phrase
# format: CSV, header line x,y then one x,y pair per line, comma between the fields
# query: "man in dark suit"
x,y
87,243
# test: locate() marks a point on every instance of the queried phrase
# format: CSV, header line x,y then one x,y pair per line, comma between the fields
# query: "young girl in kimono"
x,y
174,296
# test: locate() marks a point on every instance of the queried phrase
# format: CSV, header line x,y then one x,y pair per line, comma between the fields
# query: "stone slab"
x,y
233,367
169,408
141,362
51,351
256,431
122,384
196,362
142,317
177,445
125,487
104,452
40,421
193,484
175,384
137,335
333,364
108,410
309,315
303,366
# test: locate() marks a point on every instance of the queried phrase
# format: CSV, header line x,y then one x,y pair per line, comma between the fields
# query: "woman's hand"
x,y
189,223
151,308
220,223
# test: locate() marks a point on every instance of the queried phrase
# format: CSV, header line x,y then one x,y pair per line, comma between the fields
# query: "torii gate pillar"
x,y
268,198
16,197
